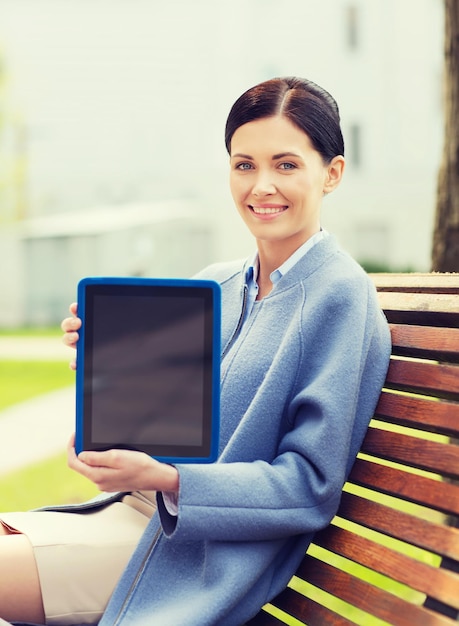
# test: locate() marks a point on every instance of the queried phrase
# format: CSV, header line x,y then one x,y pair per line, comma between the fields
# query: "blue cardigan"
x,y
300,381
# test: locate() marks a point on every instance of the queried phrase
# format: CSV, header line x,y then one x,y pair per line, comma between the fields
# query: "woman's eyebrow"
x,y
282,155
240,155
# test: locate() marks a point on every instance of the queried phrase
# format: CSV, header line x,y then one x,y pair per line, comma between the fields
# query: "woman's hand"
x,y
71,326
123,470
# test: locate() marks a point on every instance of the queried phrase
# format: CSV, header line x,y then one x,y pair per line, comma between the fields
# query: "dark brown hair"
x,y
305,104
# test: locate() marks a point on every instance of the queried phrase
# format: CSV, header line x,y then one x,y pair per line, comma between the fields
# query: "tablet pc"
x,y
148,373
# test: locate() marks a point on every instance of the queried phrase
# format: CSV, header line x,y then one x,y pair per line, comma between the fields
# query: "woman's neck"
x,y
270,257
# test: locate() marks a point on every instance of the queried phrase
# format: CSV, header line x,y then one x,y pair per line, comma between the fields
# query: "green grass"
x,y
22,380
52,331
50,481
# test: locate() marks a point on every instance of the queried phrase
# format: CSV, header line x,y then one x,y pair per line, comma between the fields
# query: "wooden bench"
x,y
391,555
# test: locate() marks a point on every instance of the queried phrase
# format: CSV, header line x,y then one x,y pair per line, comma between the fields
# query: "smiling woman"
x,y
287,151
304,354
279,194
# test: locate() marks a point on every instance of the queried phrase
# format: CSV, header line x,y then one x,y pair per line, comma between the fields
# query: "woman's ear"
x,y
334,174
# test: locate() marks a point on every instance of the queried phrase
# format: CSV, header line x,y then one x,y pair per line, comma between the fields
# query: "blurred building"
x,y
49,255
124,102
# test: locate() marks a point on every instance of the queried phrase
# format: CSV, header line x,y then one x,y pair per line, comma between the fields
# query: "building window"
x,y
354,146
352,26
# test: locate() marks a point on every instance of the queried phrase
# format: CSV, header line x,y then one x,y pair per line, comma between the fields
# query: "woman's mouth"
x,y
267,209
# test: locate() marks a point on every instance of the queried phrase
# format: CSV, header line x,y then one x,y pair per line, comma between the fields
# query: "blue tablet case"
x,y
148,367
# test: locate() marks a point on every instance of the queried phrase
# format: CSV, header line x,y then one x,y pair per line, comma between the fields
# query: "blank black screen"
x,y
148,369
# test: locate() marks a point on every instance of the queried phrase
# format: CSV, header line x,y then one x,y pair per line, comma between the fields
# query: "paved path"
x,y
36,429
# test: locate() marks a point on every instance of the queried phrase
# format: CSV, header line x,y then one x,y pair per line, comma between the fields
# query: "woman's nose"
x,y
263,185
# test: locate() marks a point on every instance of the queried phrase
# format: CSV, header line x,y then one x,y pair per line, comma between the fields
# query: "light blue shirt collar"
x,y
276,275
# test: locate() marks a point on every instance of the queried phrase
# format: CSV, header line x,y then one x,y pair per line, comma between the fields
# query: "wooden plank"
x,y
440,496
439,458
420,302
307,611
438,538
435,582
440,344
419,412
317,615
430,378
417,281
365,596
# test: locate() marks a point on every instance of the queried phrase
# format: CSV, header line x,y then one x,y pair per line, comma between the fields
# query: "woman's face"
x,y
278,181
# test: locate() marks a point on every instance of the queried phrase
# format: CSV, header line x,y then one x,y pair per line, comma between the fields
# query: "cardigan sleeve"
x,y
256,495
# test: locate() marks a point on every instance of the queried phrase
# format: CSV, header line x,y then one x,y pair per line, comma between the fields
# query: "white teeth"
x,y
267,210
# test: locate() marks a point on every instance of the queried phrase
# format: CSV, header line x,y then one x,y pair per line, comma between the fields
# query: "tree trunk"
x,y
445,253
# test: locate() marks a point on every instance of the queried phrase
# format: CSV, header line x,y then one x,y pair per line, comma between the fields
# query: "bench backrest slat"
x,y
312,613
369,598
440,496
416,282
428,377
421,305
418,412
425,341
418,532
365,596
419,576
392,551
430,456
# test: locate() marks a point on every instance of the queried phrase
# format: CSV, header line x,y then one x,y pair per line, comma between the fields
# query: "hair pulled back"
x,y
305,104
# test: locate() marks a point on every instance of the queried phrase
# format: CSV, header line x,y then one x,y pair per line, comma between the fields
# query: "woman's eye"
x,y
287,166
244,166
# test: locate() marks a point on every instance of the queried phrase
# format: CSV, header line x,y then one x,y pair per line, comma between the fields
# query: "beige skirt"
x,y
80,556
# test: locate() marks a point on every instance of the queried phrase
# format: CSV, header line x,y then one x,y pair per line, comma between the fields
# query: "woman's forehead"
x,y
275,134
